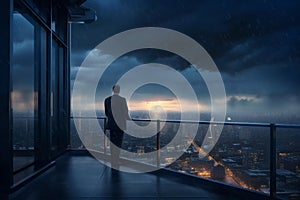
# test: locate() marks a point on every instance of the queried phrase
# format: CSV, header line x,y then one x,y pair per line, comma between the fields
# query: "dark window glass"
x,y
54,107
24,97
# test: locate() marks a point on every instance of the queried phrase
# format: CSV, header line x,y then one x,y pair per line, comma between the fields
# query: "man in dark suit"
x,y
116,111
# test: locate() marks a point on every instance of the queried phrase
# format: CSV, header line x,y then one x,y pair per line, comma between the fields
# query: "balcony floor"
x,y
83,177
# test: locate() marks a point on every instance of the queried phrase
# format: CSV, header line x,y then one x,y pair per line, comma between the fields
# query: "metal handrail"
x,y
251,124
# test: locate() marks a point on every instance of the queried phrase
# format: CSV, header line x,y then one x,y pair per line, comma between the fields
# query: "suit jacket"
x,y
116,111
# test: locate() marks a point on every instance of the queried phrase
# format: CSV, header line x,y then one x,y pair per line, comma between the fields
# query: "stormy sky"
x,y
255,45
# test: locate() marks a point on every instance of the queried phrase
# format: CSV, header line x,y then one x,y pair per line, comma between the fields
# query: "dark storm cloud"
x,y
234,101
159,56
23,53
22,29
23,58
238,35
255,44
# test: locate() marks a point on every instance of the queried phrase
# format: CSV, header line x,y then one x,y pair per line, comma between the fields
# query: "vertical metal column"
x,y
6,151
68,83
158,144
273,159
49,86
38,56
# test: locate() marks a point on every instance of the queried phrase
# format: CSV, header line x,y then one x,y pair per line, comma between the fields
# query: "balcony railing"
x,y
23,142
255,157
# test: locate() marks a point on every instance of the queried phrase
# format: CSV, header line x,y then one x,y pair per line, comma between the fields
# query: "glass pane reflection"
x,y
23,95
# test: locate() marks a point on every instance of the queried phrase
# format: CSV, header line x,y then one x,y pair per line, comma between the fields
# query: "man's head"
x,y
116,89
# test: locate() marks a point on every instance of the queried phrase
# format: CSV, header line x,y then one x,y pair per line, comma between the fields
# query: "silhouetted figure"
x,y
116,111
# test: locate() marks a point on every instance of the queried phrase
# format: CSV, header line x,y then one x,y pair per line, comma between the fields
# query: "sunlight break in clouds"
x,y
170,105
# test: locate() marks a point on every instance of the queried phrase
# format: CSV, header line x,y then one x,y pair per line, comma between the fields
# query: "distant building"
x,y
288,179
253,158
289,161
200,163
218,172
255,178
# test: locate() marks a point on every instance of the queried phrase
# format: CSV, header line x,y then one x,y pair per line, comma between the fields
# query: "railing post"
x,y
273,161
158,144
104,136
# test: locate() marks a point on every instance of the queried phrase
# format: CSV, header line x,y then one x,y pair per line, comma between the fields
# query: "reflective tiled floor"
x,y
82,177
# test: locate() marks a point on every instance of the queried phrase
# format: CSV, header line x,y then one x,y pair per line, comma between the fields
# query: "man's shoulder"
x,y
123,99
118,97
107,99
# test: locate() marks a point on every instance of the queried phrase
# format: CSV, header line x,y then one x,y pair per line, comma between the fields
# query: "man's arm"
x,y
106,107
127,117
